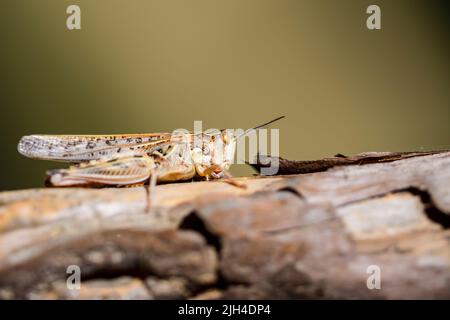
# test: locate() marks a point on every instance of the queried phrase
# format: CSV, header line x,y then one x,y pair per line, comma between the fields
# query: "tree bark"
x,y
324,230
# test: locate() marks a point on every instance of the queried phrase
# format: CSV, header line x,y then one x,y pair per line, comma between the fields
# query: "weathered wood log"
x,y
313,235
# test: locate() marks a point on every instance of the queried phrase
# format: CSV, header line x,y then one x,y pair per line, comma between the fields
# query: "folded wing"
x,y
81,148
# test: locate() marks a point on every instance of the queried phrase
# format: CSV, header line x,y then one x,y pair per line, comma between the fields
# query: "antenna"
x,y
246,132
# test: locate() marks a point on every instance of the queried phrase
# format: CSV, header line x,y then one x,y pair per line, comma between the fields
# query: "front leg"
x,y
228,178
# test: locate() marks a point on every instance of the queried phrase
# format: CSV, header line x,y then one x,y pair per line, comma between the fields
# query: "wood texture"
x,y
310,235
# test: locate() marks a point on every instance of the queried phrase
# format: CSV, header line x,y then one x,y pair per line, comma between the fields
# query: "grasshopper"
x,y
135,159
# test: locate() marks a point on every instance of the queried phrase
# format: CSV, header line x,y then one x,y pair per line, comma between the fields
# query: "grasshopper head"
x,y
213,150
213,153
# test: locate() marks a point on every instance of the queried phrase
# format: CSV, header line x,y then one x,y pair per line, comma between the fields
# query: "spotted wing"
x,y
81,148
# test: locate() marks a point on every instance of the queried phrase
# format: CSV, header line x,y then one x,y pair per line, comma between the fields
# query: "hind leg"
x,y
116,172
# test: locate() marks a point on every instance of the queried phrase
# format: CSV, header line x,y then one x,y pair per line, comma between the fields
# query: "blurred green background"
x,y
146,66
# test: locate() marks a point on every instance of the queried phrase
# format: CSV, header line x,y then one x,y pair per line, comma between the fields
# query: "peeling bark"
x,y
310,235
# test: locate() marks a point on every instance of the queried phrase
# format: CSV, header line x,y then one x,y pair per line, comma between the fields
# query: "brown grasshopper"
x,y
135,159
